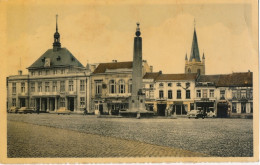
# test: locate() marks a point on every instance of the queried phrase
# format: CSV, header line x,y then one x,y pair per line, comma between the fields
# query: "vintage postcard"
x,y
129,81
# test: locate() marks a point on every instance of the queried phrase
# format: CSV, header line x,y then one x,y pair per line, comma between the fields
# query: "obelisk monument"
x,y
137,100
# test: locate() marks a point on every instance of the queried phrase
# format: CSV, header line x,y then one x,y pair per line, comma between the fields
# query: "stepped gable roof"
x,y
151,75
242,79
190,76
195,54
59,58
113,65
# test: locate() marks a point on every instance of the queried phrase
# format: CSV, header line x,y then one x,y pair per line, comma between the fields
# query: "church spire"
x,y
194,54
56,44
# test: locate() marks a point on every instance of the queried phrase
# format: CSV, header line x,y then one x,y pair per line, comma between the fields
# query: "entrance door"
x,y
71,103
222,110
22,102
161,109
101,108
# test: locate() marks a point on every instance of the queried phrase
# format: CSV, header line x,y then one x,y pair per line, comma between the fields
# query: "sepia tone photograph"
x,y
129,81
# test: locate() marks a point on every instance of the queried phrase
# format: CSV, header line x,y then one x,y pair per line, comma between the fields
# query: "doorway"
x,y
71,103
22,102
161,109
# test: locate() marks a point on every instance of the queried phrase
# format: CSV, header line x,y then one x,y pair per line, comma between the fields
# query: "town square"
x,y
123,80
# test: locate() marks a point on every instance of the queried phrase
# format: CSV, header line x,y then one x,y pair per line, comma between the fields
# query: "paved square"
x,y
63,136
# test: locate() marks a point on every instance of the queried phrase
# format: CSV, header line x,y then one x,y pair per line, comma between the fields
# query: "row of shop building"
x,y
58,80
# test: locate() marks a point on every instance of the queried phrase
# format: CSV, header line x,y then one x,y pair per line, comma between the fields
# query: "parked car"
x,y
211,114
63,111
196,114
25,110
13,110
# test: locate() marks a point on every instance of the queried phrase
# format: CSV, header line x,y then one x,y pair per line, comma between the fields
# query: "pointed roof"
x,y
195,54
61,58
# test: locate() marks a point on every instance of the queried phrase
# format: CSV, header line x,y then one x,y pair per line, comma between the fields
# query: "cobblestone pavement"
x,y
28,140
214,137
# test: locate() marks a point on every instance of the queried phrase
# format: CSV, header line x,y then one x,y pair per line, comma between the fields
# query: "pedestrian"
x,y
85,111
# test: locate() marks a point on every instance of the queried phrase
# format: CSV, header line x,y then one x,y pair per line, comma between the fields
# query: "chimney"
x,y
151,68
20,72
115,61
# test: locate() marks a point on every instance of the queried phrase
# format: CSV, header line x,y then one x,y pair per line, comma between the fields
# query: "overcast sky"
x,y
103,32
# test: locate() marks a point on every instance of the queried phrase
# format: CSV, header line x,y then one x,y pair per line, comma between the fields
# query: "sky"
x,y
102,32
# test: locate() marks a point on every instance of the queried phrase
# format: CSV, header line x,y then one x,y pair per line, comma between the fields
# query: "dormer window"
x,y
178,84
72,59
169,84
161,85
43,60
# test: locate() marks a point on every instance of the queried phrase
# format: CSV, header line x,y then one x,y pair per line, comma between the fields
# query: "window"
x,y
71,85
151,86
82,101
55,71
234,94
112,86
198,93
32,73
54,86
243,94
169,84
130,86
187,84
205,93
238,94
22,87
234,107
14,102
32,86
98,87
82,85
189,70
121,86
178,84
39,86
62,71
251,94
47,72
211,93
161,85
169,94
161,94
222,94
62,86
47,86
13,87
251,107
39,72
178,94
62,102
187,94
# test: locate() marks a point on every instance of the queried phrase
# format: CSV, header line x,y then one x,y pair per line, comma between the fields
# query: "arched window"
x,y
112,86
130,86
121,86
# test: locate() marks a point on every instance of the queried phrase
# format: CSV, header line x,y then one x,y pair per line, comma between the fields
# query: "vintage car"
x,y
63,110
211,114
196,114
25,110
13,110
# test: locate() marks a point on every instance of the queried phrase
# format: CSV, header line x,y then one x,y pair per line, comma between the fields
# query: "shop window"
x,y
243,107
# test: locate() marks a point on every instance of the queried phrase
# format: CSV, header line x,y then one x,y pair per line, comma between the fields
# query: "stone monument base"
x,y
137,114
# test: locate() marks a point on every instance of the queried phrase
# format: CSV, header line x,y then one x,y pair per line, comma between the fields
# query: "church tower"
x,y
194,64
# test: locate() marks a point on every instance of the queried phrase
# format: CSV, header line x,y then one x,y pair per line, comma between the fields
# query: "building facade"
x,y
56,79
